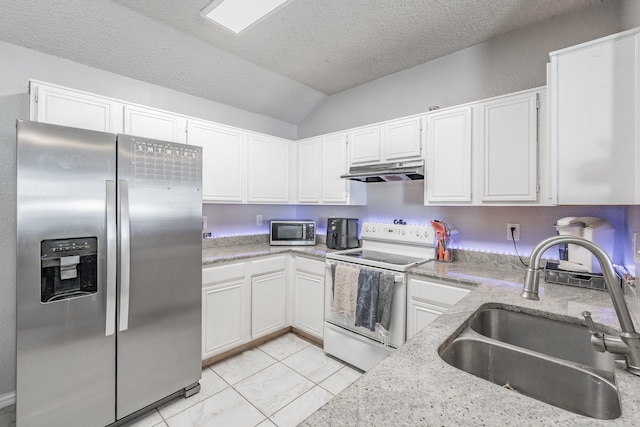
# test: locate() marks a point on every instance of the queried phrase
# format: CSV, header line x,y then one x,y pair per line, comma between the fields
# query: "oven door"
x,y
396,336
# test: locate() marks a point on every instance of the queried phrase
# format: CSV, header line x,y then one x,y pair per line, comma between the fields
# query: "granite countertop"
x,y
414,386
214,255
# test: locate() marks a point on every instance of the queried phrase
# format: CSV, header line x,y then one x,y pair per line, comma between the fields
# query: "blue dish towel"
x,y
367,300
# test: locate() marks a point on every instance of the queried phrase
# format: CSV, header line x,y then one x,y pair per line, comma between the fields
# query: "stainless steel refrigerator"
x,y
108,274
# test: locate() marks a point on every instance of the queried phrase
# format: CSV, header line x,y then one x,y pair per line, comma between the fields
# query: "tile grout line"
x,y
276,361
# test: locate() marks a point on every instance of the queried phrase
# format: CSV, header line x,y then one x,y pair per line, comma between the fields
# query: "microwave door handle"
x,y
125,252
111,258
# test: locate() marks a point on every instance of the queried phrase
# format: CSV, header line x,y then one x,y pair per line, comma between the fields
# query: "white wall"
x,y
629,14
17,66
515,61
232,219
484,228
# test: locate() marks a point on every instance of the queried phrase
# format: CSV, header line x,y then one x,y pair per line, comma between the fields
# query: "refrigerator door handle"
x,y
125,268
112,261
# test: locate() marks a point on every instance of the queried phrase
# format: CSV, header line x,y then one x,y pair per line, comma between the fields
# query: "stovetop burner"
x,y
383,257
396,247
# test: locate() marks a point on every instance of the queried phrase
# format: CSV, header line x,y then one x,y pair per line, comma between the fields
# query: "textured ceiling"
x,y
282,67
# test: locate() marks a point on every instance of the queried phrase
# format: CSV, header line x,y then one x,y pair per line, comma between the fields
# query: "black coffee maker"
x,y
342,233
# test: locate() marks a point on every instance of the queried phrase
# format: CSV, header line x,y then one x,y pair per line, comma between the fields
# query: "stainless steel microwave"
x,y
292,232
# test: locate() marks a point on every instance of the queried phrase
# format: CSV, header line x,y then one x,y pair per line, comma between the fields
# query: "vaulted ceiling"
x,y
284,66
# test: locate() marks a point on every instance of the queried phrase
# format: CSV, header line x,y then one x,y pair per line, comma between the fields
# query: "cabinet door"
x,y
419,315
66,107
449,156
309,171
268,296
595,103
428,299
222,317
155,124
401,139
223,160
509,147
309,297
268,169
334,164
365,145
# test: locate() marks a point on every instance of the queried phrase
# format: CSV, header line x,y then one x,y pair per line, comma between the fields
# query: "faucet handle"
x,y
587,318
597,339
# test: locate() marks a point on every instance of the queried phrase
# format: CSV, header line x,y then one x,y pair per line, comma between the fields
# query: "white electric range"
x,y
390,249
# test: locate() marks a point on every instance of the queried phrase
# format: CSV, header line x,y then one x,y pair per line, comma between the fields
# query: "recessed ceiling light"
x,y
237,15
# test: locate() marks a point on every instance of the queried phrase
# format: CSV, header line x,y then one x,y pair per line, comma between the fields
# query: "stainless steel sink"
x,y
538,357
551,337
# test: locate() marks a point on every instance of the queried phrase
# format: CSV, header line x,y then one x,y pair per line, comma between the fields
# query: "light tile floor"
x,y
278,383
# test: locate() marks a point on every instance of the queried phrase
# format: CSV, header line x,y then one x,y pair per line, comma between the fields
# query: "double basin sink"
x,y
549,360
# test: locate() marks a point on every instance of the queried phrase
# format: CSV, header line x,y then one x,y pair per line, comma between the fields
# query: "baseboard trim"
x,y
235,351
7,399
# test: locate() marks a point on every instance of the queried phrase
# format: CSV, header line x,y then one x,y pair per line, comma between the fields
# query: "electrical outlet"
x,y
259,219
516,232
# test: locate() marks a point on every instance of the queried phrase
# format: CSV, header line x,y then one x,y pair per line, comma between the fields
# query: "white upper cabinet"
x,y
487,152
67,107
155,124
402,139
224,153
310,171
268,169
448,165
334,164
595,103
507,148
321,162
365,145
390,141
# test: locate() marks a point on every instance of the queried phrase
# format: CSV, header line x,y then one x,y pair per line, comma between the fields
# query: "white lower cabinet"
x,y
243,301
267,303
427,299
225,308
268,295
308,315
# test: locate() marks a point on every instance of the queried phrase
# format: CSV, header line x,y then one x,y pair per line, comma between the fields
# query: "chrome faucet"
x,y
628,341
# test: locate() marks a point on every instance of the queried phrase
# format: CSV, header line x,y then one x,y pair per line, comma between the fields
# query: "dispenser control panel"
x,y
68,268
67,247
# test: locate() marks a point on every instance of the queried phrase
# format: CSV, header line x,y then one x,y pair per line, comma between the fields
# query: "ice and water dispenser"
x,y
68,268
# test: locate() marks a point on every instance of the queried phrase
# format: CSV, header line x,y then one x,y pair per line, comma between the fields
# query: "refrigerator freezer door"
x,y
159,336
65,348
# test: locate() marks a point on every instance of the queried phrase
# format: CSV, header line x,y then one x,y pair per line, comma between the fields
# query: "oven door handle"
x,y
397,278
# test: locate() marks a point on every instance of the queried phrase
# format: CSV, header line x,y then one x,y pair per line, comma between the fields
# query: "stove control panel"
x,y
416,234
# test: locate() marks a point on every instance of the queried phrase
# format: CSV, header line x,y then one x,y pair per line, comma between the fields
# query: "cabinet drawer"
x,y
222,273
267,265
310,265
438,293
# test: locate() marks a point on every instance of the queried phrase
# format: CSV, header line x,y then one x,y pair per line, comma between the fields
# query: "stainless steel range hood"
x,y
387,172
